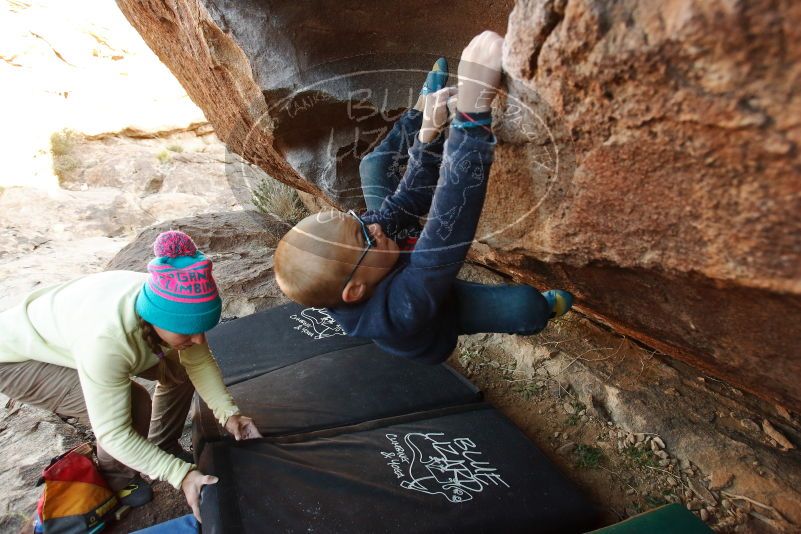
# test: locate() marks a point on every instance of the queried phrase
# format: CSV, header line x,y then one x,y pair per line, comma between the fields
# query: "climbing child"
x,y
73,348
382,277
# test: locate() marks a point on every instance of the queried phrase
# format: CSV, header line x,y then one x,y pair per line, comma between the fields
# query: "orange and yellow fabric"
x,y
76,498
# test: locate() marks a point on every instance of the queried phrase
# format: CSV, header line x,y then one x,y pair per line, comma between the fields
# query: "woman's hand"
x,y
242,427
480,72
191,485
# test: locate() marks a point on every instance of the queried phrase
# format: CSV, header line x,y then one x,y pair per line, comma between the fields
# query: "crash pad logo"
x,y
317,323
430,463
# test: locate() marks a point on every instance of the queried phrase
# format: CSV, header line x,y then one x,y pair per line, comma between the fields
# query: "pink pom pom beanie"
x,y
180,295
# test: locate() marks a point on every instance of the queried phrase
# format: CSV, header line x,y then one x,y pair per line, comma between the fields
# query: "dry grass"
x,y
279,199
164,157
61,146
62,142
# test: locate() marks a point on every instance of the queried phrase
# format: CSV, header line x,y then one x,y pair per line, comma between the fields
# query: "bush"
x,y
63,165
588,457
61,142
278,199
163,157
61,145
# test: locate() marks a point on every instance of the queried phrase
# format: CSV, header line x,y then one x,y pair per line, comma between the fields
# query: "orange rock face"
x,y
648,155
678,223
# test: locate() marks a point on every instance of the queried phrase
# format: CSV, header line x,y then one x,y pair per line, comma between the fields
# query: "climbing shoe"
x,y
437,78
559,301
136,493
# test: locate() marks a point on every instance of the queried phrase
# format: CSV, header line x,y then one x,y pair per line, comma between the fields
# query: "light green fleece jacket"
x,y
89,324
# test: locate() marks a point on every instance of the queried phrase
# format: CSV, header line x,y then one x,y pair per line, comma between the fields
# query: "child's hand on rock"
x,y
435,113
480,72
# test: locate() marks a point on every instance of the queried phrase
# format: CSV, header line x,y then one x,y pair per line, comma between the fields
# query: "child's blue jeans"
x,y
510,309
382,169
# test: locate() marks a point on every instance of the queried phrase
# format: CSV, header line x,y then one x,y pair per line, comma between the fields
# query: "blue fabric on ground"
x,y
186,524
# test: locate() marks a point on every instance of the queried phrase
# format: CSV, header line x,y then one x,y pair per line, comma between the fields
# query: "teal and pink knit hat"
x,y
180,295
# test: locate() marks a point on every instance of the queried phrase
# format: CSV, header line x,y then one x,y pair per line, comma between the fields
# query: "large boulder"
x,y
648,151
241,246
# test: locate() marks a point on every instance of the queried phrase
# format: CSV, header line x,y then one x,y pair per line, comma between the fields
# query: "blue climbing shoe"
x,y
437,78
559,301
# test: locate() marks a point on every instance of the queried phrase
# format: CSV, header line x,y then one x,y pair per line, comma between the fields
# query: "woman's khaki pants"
x,y
58,390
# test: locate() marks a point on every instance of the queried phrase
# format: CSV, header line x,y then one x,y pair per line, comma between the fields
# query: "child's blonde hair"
x,y
311,263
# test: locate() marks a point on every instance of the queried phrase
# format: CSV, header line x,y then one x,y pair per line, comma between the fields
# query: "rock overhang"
x,y
671,210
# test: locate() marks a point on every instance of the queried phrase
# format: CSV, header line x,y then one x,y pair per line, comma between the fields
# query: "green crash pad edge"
x,y
668,519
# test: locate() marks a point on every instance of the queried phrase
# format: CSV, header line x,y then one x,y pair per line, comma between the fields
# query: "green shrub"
x,y
163,157
588,457
640,456
528,389
575,417
278,199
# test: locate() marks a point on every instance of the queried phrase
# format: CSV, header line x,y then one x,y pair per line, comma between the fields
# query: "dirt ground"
x,y
622,473
167,504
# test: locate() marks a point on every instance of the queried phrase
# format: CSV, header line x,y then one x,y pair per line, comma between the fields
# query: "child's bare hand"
x,y
480,72
435,113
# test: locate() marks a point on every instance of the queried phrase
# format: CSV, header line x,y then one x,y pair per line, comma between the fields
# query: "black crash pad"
x,y
465,469
292,382
344,387
268,340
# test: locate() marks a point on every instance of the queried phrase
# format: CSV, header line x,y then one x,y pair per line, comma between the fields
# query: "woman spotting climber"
x,y
73,348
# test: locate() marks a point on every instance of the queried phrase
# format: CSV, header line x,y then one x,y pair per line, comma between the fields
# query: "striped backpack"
x,y
76,498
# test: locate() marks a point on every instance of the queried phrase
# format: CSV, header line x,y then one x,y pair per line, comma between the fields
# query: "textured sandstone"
x,y
648,157
29,439
679,224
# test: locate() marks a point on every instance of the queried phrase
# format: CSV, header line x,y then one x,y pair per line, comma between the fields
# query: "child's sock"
x,y
472,120
437,78
475,124
559,301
